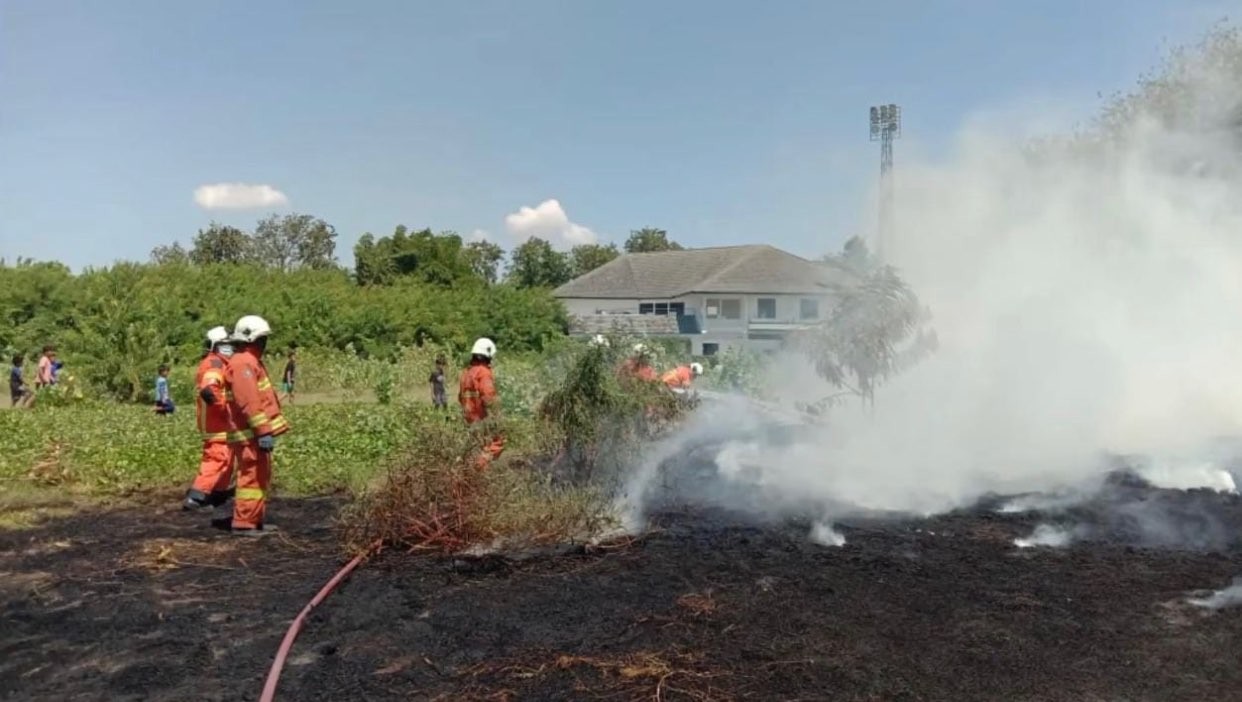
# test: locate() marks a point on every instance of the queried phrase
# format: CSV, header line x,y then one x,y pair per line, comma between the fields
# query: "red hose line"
x,y
273,676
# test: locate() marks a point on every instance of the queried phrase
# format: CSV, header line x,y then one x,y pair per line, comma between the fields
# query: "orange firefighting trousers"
x,y
215,469
254,477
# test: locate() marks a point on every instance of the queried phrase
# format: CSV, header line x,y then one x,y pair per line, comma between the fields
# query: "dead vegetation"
x,y
554,483
643,675
158,555
51,467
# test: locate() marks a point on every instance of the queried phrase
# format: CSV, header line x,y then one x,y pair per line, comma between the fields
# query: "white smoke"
x,y
1229,597
1046,535
1185,475
1087,301
824,534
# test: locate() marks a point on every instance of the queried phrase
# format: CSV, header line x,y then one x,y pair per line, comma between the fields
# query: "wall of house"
x,y
718,331
788,309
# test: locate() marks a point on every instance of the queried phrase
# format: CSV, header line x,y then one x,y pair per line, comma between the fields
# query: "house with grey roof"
x,y
715,298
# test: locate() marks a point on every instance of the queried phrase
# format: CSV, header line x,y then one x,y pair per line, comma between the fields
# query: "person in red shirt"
x,y
215,424
479,401
256,411
44,376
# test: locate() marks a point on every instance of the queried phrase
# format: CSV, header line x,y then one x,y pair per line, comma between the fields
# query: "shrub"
x,y
556,481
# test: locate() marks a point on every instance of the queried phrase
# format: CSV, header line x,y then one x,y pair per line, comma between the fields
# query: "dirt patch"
x,y
152,605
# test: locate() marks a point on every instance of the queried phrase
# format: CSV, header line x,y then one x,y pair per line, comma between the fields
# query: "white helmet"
x,y
217,334
484,347
599,340
250,329
696,368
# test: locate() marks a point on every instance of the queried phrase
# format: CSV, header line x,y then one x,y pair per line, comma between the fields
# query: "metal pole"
x,y
885,127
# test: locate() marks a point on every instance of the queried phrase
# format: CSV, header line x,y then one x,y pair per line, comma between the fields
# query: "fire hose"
x,y
273,675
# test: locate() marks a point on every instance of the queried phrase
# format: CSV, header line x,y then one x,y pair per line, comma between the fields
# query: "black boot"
x,y
195,500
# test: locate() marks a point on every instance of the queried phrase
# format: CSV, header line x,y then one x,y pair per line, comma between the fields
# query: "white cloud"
x,y
238,196
548,220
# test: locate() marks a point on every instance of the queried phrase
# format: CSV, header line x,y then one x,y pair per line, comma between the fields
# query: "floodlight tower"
x,y
885,127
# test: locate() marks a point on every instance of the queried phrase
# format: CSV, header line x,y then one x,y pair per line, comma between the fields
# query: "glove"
x,y
267,443
208,395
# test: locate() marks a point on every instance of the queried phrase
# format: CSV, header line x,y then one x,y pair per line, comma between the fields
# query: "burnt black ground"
x,y
702,608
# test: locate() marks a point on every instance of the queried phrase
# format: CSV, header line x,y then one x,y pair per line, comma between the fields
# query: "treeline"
x,y
299,241
113,326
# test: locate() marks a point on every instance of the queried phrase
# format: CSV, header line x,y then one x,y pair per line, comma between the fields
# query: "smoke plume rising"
x,y
1087,299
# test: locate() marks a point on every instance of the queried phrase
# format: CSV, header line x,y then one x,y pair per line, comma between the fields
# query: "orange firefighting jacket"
x,y
679,378
215,421
633,370
254,405
477,392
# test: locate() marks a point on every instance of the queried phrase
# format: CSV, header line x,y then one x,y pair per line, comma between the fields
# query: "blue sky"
x,y
723,122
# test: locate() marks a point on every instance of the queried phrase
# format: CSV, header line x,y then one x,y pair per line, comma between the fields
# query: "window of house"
x,y
731,309
766,308
658,308
712,306
809,308
646,308
711,349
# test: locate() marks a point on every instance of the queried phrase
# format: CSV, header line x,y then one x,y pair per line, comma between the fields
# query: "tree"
x,y
371,265
536,264
221,244
856,256
588,257
295,241
484,259
650,239
876,327
169,255
439,259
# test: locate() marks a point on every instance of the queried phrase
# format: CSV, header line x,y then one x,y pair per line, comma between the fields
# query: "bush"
x,y
433,498
556,481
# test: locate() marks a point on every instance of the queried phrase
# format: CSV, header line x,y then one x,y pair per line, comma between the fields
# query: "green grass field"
x,y
119,449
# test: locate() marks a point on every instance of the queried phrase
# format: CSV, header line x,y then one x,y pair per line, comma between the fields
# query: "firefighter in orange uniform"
x,y
638,367
679,379
256,411
478,398
215,424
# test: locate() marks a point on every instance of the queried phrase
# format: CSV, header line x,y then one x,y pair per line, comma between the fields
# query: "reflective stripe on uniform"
x,y
217,436
257,419
279,423
241,435
471,394
249,494
265,384
214,376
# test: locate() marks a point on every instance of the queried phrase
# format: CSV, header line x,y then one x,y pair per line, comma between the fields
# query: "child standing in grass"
x,y
291,369
19,394
438,396
163,398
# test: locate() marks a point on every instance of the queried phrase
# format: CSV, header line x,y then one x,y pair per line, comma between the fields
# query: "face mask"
x,y
225,350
